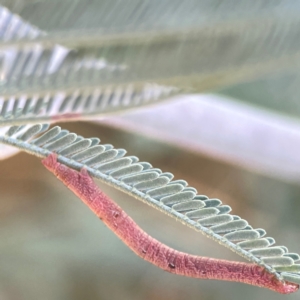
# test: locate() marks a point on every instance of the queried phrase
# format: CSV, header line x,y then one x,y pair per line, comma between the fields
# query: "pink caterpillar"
x,y
162,256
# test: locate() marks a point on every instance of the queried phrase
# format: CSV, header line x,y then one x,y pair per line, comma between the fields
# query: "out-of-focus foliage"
x,y
197,45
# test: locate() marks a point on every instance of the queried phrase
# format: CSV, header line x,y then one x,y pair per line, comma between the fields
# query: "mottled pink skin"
x,y
152,250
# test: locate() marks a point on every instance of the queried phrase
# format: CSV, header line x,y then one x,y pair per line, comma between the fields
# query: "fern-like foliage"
x,y
152,186
80,104
41,84
189,44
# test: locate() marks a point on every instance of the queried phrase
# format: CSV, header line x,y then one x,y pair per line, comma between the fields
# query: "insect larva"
x,y
162,256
